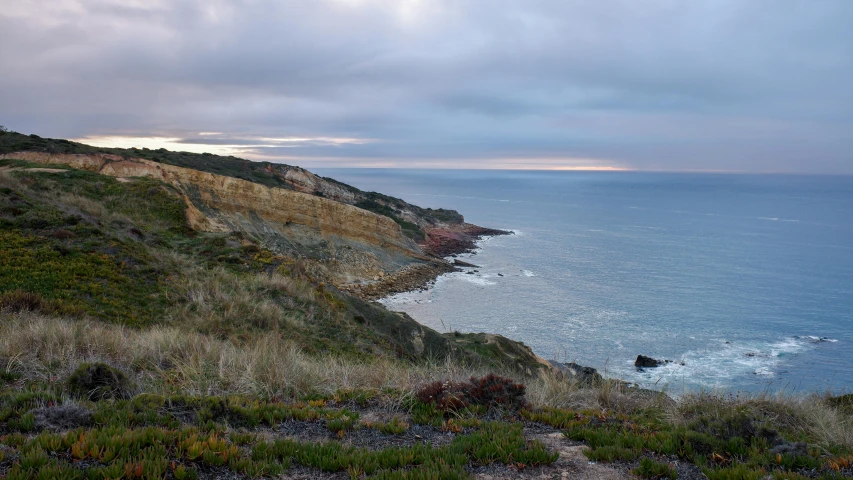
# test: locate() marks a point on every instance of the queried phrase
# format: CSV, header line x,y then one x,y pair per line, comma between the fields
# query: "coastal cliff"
x,y
293,223
218,203
368,243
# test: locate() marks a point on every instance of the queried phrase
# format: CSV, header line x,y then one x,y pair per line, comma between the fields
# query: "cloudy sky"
x,y
717,85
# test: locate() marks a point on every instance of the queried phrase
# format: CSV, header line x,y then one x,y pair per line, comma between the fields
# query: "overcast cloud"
x,y
743,85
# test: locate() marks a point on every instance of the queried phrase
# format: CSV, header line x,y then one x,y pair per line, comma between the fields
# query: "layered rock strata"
x,y
279,217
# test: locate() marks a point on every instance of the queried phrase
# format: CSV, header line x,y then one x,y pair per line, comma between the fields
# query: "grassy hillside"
x,y
134,347
79,243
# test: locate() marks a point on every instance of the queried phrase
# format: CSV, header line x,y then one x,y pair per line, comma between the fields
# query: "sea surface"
x,y
743,282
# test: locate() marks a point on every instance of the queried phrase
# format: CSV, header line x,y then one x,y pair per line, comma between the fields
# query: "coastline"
x,y
465,240
450,243
441,243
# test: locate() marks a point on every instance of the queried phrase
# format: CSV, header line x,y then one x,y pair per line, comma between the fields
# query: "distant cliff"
x,y
414,220
356,238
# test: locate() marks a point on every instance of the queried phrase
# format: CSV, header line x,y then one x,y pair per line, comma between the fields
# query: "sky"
x,y
713,85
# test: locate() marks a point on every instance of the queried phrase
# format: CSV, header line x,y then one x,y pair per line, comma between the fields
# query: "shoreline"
x,y
421,277
440,244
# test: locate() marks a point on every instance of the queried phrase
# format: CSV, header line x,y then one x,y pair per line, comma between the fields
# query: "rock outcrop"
x,y
446,240
643,361
587,376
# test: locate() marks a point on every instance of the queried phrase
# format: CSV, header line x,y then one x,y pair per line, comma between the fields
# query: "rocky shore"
x,y
440,242
448,241
410,278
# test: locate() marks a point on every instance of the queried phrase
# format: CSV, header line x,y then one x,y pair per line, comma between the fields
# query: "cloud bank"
x,y
759,86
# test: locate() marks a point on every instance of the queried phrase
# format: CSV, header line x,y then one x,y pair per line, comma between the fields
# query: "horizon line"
x,y
87,140
576,169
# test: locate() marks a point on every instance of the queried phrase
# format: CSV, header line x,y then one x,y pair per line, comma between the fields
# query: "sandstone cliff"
x,y
361,244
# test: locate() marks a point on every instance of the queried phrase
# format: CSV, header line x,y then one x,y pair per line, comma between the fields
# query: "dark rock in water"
x,y
755,354
583,375
460,263
469,273
812,339
643,361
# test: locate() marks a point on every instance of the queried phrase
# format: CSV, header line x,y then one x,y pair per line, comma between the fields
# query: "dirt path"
x,y
572,464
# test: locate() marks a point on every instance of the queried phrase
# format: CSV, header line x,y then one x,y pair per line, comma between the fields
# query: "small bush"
x,y
17,301
63,234
445,395
97,381
7,376
490,391
495,391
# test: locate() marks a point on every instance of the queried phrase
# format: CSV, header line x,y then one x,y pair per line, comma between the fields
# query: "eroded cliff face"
x,y
352,244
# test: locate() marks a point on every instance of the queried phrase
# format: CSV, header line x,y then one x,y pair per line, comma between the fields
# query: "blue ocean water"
x,y
745,282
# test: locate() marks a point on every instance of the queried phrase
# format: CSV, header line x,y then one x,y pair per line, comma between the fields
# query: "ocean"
x,y
744,282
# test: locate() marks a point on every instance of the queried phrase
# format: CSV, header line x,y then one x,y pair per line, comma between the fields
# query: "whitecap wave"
x,y
722,362
816,339
778,219
476,280
528,273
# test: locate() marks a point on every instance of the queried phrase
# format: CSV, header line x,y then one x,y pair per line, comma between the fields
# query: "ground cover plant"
x,y
46,433
154,436
726,437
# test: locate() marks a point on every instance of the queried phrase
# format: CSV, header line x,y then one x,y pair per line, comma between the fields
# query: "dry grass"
x,y
87,206
170,359
165,359
8,180
174,359
809,415
217,301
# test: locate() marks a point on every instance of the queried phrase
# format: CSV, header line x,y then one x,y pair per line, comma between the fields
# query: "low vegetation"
x,y
133,347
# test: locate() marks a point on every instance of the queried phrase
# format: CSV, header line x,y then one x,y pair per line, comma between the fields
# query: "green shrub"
x,y
649,468
97,381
